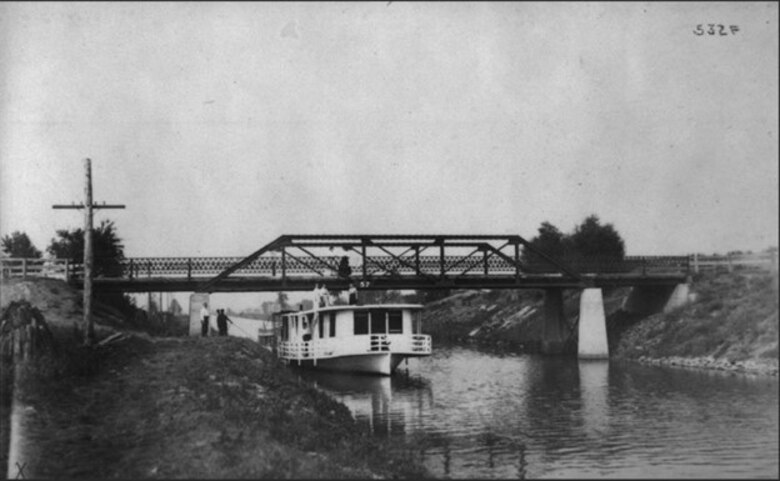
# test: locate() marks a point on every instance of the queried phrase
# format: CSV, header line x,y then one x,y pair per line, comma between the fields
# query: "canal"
x,y
479,414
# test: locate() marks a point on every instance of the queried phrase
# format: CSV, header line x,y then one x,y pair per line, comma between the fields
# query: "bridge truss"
x,y
298,262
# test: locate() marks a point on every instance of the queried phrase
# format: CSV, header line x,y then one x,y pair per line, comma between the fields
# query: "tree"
x,y
108,250
591,239
380,296
550,241
108,254
19,245
281,299
174,307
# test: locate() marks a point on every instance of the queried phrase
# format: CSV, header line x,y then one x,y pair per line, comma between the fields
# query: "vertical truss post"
x,y
284,266
417,259
441,258
131,268
485,260
189,268
363,253
517,261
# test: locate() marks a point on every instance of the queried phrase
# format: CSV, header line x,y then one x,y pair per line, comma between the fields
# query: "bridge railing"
x,y
608,265
376,266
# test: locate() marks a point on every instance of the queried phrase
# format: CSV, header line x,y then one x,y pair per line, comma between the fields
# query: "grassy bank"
x,y
731,323
157,407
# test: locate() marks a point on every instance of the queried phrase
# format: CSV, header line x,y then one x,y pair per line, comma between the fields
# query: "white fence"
x,y
729,262
30,267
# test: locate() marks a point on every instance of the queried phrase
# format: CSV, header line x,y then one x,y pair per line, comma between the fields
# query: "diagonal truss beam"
x,y
469,256
315,257
307,264
208,286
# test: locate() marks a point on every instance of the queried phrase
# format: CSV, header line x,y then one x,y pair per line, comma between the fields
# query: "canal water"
x,y
478,414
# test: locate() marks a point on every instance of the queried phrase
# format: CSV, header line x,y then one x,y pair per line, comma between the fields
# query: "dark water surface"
x,y
477,414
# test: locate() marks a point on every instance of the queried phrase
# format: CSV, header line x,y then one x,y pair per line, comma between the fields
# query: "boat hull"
x,y
383,363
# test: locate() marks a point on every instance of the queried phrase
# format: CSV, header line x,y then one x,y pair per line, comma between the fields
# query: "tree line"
x,y
107,247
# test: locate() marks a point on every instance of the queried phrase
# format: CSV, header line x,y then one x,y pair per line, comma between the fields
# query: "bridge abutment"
x,y
679,297
646,300
554,330
592,342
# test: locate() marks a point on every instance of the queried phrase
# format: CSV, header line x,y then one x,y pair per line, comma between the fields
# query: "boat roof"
x,y
354,307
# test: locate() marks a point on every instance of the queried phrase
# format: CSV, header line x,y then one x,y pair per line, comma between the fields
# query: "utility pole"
x,y
89,332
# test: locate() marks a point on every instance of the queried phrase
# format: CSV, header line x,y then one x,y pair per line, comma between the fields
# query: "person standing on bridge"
x,y
204,320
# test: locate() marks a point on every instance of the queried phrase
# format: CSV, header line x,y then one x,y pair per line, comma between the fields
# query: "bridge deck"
x,y
307,283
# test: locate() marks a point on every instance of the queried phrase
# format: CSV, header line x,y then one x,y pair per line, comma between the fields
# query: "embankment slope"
x,y
186,407
731,323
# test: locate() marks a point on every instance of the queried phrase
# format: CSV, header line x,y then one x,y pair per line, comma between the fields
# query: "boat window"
x,y
332,324
395,323
321,326
378,321
286,329
361,322
417,322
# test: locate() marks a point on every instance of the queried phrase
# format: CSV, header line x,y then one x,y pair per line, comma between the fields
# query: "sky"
x,y
221,126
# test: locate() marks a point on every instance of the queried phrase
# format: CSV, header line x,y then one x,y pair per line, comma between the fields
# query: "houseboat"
x,y
371,339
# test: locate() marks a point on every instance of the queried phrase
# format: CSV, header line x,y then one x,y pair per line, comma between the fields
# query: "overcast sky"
x,y
222,126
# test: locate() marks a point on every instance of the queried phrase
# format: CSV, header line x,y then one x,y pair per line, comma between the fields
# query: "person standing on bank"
x,y
204,320
222,322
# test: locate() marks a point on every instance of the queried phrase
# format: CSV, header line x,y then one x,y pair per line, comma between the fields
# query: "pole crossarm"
x,y
94,206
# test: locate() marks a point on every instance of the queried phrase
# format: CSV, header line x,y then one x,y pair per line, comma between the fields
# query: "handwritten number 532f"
x,y
715,29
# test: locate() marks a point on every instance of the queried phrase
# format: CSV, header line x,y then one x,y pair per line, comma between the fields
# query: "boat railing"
x,y
421,343
379,342
319,348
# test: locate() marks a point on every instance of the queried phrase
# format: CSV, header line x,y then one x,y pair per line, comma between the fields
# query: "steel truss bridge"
x,y
298,262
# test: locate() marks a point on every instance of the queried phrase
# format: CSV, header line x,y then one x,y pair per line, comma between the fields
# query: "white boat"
x,y
370,339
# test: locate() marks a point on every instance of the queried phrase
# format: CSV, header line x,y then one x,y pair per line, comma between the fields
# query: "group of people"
x,y
322,297
222,321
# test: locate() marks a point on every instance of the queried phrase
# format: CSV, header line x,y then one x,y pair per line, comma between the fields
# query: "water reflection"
x,y
388,405
594,392
480,414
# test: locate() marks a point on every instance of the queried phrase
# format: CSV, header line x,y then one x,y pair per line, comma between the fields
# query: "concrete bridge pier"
x,y
554,330
592,343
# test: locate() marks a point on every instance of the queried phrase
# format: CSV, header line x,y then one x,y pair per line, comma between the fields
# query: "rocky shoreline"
x,y
752,367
